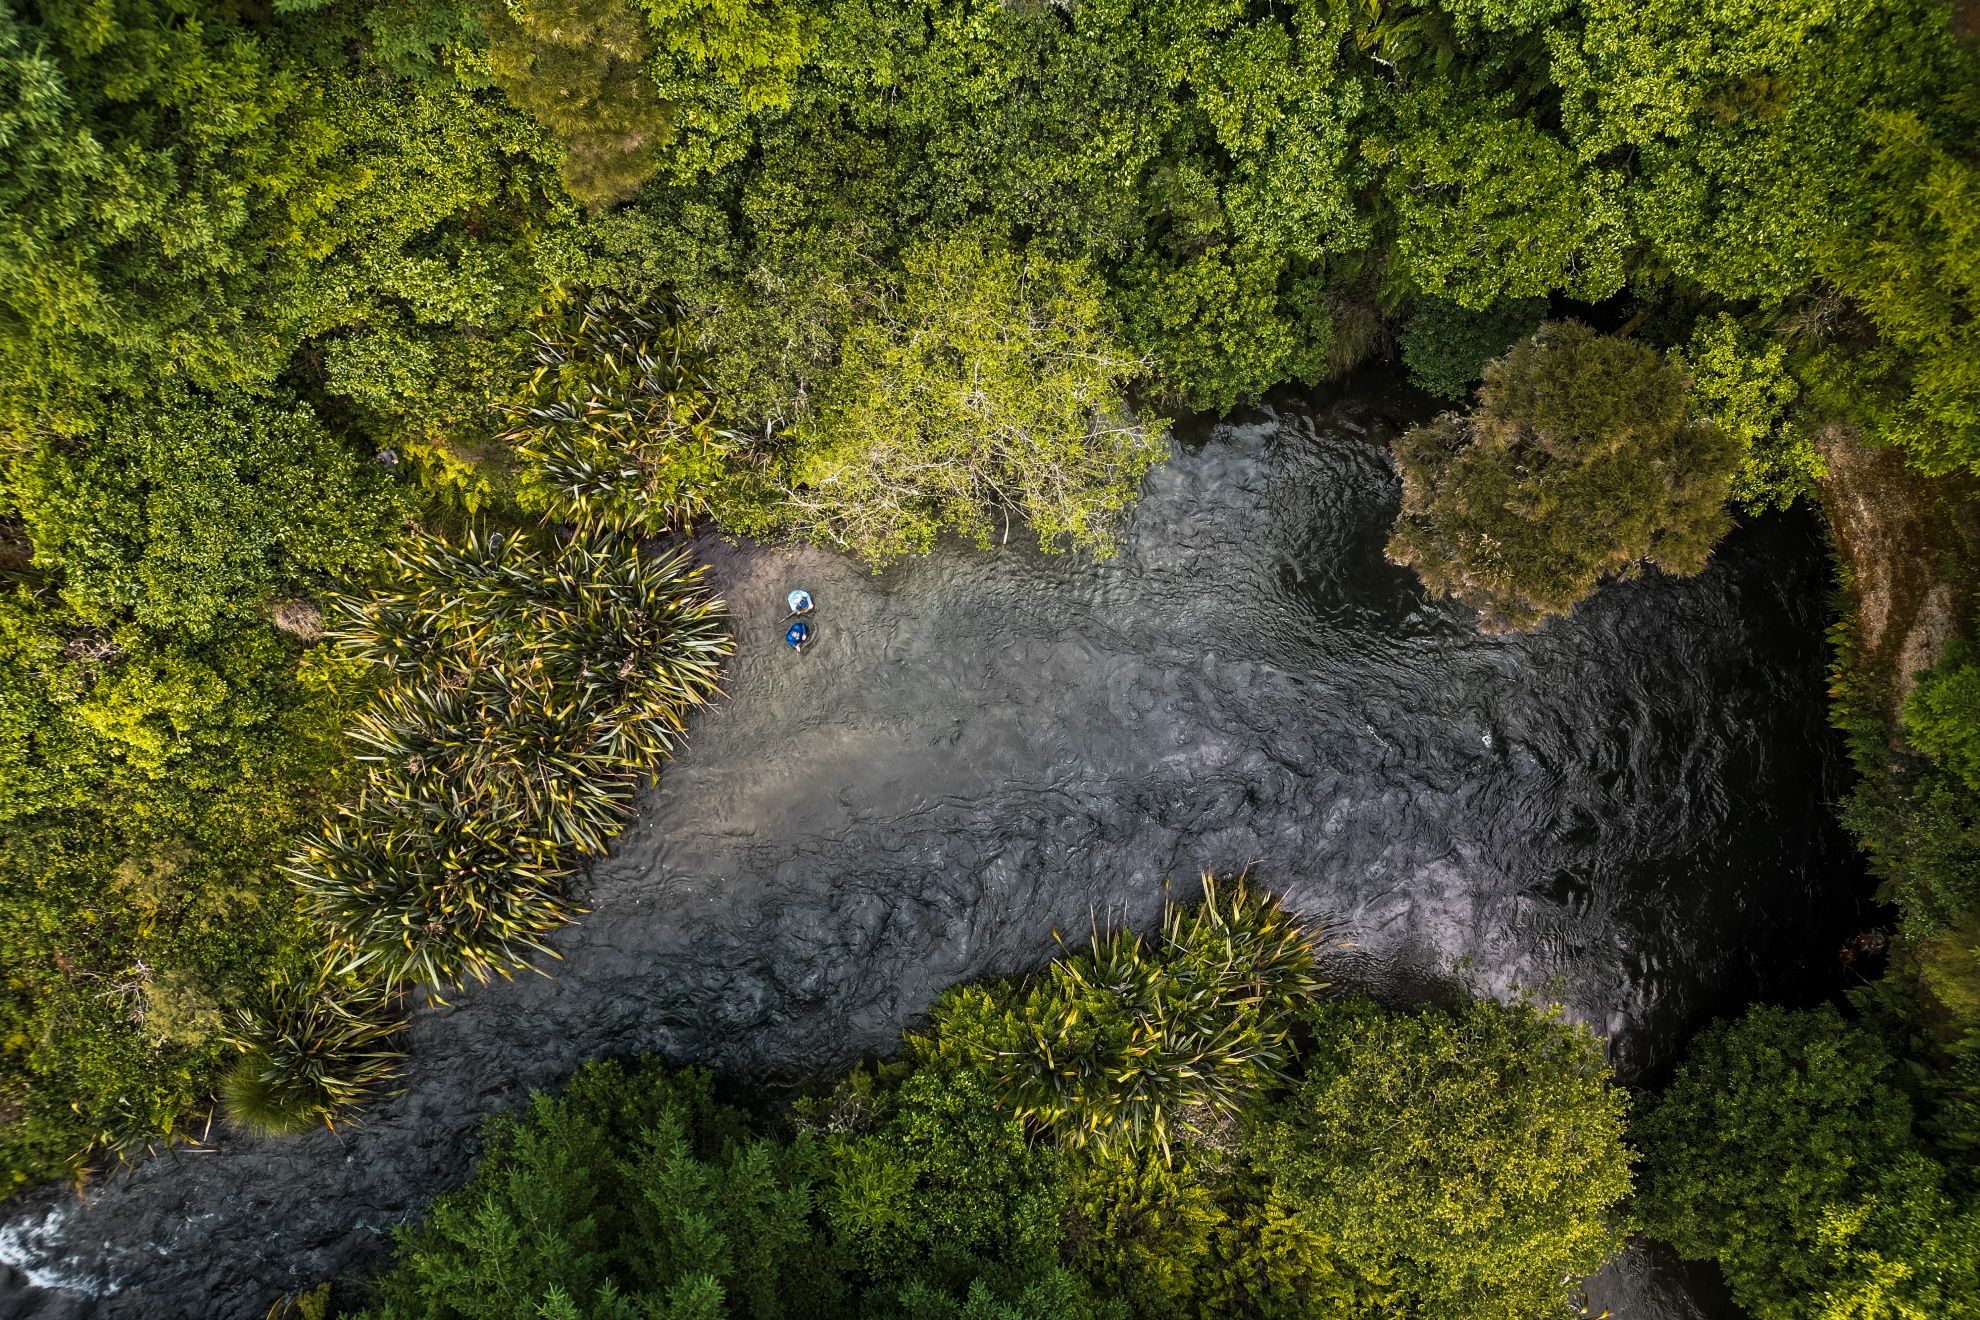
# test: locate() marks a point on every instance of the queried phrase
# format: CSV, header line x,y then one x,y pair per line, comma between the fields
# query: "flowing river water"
x,y
1630,811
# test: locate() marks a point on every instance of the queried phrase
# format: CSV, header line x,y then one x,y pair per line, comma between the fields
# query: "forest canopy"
x,y
287,291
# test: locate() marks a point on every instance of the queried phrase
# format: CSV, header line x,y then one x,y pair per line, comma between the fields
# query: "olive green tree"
x,y
579,67
1580,461
988,387
1455,1166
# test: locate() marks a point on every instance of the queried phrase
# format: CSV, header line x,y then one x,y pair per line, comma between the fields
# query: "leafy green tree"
x,y
1216,327
1580,461
936,1193
191,514
1783,1151
1446,346
1463,1166
139,139
1746,121
988,387
631,1196
718,63
1910,264
579,67
1490,208
1746,390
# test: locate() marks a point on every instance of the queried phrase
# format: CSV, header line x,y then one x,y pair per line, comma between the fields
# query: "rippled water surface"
x,y
1629,810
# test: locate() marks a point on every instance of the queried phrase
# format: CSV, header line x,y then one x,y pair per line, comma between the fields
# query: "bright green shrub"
x,y
1446,345
720,62
1580,461
1919,816
1452,1165
988,387
1783,1151
44,761
162,882
1744,388
1142,1228
190,514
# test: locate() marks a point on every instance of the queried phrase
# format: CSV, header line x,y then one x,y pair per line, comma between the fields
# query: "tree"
x,y
1579,461
188,515
1744,124
579,67
987,387
632,1195
1913,265
1446,346
1743,386
1455,1166
1783,1151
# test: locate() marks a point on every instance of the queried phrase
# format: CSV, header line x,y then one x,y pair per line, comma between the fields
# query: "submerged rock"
x,y
1628,810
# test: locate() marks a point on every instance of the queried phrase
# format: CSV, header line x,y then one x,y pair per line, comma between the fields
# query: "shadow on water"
x,y
1630,810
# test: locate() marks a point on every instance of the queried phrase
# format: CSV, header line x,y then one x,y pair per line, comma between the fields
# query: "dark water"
x,y
1630,810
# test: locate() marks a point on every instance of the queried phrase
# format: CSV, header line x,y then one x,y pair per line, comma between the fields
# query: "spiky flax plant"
x,y
311,1049
1125,1038
615,428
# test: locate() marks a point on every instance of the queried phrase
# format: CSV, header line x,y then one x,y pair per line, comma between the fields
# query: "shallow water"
x,y
1629,810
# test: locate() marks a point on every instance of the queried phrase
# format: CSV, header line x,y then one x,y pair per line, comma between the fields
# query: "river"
x,y
1630,811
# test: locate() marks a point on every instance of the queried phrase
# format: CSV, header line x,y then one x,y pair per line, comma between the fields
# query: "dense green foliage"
x,y
988,388
916,1189
530,694
614,429
270,281
1446,346
1457,1166
1123,1042
1580,461
1784,1152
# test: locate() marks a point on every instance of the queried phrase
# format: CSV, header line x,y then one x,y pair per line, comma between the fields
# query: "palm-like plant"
x,y
638,629
616,425
434,896
439,607
311,1048
523,751
538,686
1122,1040
532,690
